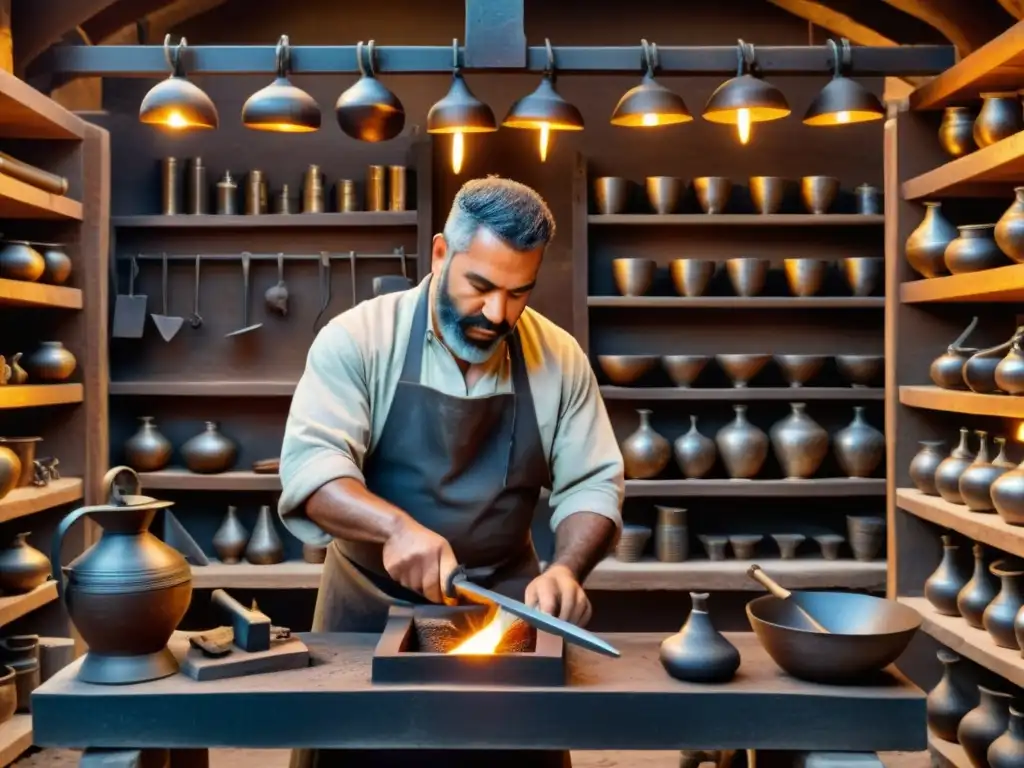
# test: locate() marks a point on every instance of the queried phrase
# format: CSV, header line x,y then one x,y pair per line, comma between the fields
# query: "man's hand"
x,y
557,593
419,559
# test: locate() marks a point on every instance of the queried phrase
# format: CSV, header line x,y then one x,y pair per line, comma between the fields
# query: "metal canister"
x,y
396,187
283,200
264,195
671,535
313,190
170,187
254,193
345,196
227,195
196,189
869,200
376,186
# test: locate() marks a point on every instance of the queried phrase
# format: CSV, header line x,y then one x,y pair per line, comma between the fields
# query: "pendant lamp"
x,y
544,110
746,98
281,106
459,112
367,110
175,102
843,100
650,103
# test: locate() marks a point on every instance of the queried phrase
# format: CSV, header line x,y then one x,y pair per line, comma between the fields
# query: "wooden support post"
x,y
6,40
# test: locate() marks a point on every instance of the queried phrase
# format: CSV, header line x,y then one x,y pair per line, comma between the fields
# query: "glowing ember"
x,y
1020,432
487,639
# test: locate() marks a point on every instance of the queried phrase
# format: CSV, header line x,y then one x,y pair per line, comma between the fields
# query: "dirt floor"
x,y
278,758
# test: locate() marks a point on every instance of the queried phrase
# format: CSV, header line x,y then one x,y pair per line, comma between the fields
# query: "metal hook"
x,y
550,70
283,56
370,59
654,55
455,56
173,54
359,59
847,54
400,251
645,48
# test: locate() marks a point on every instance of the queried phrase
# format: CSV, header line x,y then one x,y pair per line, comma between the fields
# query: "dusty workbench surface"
x,y
625,703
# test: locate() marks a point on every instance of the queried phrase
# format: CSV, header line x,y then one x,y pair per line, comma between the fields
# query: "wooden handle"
x,y
766,581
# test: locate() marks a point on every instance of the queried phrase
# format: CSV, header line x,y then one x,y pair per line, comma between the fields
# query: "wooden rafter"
x,y
832,20
1013,7
967,25
41,23
120,14
162,21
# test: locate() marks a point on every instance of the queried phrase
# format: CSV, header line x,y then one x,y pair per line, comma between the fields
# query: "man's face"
x,y
481,293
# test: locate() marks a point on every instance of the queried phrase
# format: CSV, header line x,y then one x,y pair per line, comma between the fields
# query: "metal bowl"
x,y
712,193
633,277
684,369
797,370
691,276
768,193
747,275
805,276
866,634
663,193
819,192
611,194
860,370
624,370
863,273
742,368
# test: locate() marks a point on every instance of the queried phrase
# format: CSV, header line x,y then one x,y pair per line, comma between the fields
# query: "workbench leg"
x,y
124,758
190,758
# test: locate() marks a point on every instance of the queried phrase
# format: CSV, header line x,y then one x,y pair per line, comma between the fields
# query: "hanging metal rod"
x,y
150,61
191,257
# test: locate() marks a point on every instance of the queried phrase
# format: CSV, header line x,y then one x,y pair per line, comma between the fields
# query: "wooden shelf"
x,y
829,486
975,644
996,66
736,302
183,480
1002,284
952,753
609,575
955,401
280,220
985,527
16,606
737,394
15,738
19,200
33,395
739,219
25,113
204,388
986,171
20,293
27,501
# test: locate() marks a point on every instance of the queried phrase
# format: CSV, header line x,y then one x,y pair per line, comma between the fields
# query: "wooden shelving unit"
x,y
952,753
38,395
204,388
982,527
27,501
1005,284
955,401
16,606
983,172
16,293
270,220
737,220
741,394
15,738
183,480
735,303
821,487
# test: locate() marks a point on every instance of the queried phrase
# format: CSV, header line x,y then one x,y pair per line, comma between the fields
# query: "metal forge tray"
x,y
414,645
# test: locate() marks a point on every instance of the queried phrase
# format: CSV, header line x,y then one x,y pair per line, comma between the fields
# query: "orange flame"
x,y
487,639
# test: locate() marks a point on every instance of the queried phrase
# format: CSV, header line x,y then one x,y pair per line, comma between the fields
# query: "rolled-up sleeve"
x,y
328,430
586,463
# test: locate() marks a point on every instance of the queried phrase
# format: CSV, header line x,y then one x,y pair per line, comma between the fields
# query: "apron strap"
x,y
413,364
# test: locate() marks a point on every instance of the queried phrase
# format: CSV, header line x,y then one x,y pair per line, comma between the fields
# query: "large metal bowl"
x,y
624,370
866,634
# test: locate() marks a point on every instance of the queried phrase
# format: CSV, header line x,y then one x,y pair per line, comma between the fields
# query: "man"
x,y
427,422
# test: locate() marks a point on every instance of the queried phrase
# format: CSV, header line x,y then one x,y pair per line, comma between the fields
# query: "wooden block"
x,y
286,654
125,758
55,653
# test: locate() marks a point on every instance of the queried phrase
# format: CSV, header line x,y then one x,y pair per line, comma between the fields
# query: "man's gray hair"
x,y
511,211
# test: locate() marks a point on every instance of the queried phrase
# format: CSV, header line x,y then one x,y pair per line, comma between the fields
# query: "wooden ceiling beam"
x,y
160,22
120,14
1013,7
41,23
967,25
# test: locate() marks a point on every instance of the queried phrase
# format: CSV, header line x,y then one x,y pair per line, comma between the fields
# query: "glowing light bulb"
x,y
545,138
458,152
1020,432
176,120
649,120
843,117
743,125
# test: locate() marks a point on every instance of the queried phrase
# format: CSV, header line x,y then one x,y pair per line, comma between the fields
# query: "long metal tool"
x,y
459,584
130,309
168,325
246,327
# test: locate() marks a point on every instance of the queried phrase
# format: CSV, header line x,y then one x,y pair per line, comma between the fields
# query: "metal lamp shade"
x,y
370,112
177,103
844,101
460,112
544,107
650,104
762,99
281,107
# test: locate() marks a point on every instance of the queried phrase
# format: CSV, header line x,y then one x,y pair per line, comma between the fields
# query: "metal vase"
x,y
1010,228
230,540
956,131
974,250
742,446
859,447
645,452
747,275
799,442
1000,118
264,546
691,276
663,193
671,534
695,454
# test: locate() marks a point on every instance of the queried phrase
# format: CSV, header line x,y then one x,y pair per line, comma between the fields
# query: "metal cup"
x,y
663,193
283,200
396,188
170,187
196,188
819,192
313,190
712,193
768,193
611,194
375,188
869,200
345,196
253,193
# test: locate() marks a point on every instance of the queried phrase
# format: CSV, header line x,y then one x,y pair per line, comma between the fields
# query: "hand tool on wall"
x,y
393,283
196,320
130,310
324,278
246,328
167,325
276,296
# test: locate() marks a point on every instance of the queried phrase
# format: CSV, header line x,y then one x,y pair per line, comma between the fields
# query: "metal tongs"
x,y
324,280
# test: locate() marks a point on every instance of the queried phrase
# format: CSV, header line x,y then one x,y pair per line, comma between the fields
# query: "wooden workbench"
x,y
628,704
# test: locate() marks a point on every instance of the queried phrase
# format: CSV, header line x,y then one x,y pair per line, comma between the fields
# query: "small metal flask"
x,y
869,200
254,193
283,200
170,187
345,196
376,188
196,189
313,190
227,195
396,187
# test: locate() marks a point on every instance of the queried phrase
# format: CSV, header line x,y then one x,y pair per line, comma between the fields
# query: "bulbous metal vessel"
x,y
978,592
695,453
698,652
976,481
1010,228
944,584
925,249
742,446
799,442
947,474
984,724
859,447
147,450
645,452
956,131
952,698
924,464
209,452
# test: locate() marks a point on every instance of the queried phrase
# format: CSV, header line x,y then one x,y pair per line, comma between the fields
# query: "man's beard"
x,y
453,327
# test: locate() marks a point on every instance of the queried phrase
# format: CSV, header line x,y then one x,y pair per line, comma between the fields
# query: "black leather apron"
x,y
469,468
